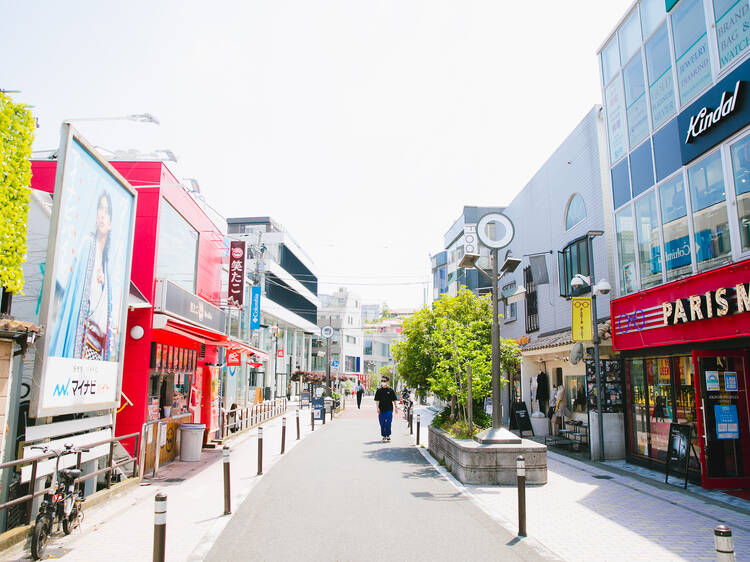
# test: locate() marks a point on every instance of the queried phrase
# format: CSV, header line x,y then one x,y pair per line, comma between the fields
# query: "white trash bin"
x,y
191,441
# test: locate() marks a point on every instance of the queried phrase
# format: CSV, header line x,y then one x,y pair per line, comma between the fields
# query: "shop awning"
x,y
202,334
249,349
136,298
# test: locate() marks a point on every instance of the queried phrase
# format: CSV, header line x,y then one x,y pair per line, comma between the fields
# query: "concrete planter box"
x,y
473,463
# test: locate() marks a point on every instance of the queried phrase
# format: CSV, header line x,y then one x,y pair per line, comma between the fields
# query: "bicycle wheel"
x,y
42,528
73,520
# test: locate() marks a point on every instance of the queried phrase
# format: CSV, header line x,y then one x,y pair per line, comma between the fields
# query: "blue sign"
x,y
318,405
334,363
727,423
730,381
255,308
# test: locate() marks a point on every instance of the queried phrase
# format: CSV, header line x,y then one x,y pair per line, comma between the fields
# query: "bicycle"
x,y
62,501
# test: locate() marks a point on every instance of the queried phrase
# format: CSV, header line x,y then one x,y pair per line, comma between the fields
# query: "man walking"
x,y
386,399
360,391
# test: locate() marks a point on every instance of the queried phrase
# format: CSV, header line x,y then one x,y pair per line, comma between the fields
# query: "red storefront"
x,y
173,338
685,348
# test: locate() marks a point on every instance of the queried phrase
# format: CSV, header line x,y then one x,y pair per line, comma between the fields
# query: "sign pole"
x,y
597,363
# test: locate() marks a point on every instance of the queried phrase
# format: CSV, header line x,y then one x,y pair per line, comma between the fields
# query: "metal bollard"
x,y
227,492
312,419
418,429
260,450
521,474
723,543
332,408
283,434
324,415
160,526
411,422
297,424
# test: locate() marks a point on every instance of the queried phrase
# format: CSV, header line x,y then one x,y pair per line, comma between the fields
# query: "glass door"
x,y
723,425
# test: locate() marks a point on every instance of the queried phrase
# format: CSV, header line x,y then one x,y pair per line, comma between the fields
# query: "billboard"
x,y
86,284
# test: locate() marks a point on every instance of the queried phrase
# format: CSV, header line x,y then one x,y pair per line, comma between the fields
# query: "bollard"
x,y
283,434
312,419
332,408
411,422
297,424
260,450
160,526
723,543
324,414
521,474
227,493
417,429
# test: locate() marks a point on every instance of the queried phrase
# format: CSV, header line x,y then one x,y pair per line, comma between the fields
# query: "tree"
x,y
414,354
17,133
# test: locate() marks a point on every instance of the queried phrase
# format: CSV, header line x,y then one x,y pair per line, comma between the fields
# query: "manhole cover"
x,y
597,476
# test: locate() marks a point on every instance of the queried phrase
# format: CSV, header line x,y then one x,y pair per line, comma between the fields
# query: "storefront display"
x,y
611,380
171,375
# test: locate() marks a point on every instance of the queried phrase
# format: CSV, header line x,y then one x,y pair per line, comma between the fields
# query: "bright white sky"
x,y
362,126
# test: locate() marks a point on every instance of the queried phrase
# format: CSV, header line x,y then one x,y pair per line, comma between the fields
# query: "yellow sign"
x,y
581,319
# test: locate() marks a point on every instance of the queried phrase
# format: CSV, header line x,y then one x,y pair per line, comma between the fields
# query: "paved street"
x,y
345,495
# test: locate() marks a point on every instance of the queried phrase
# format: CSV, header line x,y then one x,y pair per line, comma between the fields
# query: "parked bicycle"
x,y
62,502
406,403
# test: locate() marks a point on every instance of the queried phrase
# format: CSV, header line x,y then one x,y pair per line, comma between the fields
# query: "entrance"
x,y
723,426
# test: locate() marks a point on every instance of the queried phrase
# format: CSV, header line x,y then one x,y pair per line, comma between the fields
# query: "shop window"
x,y
660,82
626,250
510,309
649,248
685,399
575,390
177,253
732,28
667,150
629,36
610,60
575,211
691,49
616,123
573,260
532,306
621,184
641,169
638,407
652,14
677,248
635,100
741,172
659,381
710,223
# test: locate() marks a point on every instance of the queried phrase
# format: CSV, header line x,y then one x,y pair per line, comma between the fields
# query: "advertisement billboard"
x,y
86,284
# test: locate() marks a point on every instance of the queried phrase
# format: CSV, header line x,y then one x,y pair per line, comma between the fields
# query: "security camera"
x,y
577,283
603,287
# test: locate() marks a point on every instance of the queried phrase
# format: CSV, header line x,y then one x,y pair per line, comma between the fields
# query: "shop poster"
x,y
730,381
712,380
727,422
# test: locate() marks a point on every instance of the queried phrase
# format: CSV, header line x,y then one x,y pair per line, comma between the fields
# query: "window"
x,y
178,248
575,212
621,184
350,364
575,391
626,250
368,347
532,306
691,49
677,248
351,339
630,36
618,143
649,248
710,224
641,169
652,14
384,349
741,172
610,60
635,100
667,150
572,260
660,82
510,309
732,28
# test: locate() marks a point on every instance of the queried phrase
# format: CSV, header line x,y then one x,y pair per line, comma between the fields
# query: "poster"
x,y
581,319
694,70
727,423
733,31
618,144
84,296
712,380
730,381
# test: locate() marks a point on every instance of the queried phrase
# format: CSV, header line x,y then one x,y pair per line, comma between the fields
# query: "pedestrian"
x,y
360,389
387,405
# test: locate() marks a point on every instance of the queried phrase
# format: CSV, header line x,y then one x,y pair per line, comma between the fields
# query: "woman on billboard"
x,y
83,329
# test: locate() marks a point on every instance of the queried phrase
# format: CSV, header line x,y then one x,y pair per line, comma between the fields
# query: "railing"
x,y
34,461
240,419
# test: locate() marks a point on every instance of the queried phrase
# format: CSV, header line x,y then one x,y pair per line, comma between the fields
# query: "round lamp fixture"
x,y
495,230
136,332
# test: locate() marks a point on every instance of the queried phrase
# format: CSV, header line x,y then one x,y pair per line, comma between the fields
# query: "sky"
x,y
362,126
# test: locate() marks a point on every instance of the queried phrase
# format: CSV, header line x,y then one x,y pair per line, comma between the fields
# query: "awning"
x,y
249,349
203,335
136,298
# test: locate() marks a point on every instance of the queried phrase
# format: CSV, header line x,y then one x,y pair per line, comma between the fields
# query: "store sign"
x,y
581,326
234,356
255,307
718,303
236,283
471,244
716,115
176,301
280,353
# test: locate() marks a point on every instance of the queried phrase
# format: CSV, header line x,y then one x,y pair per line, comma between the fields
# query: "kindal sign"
x,y
707,118
717,303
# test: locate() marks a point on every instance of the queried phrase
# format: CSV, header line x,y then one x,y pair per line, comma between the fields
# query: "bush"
x,y
482,419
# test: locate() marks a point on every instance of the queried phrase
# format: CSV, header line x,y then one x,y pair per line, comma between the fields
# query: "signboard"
x,y
305,398
730,381
678,450
236,283
318,405
280,353
234,356
84,294
495,230
727,422
175,301
520,419
581,326
471,243
334,363
327,332
255,307
712,381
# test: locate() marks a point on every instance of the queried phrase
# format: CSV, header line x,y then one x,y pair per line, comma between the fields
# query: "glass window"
x,y
635,101
649,248
639,407
575,389
626,250
572,260
610,60
178,248
710,224
667,155
660,83
685,399
732,28
510,309
629,35
659,381
652,14
741,172
368,347
618,143
621,184
691,49
677,250
641,169
575,212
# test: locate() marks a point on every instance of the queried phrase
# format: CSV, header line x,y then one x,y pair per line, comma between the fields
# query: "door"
x,y
723,424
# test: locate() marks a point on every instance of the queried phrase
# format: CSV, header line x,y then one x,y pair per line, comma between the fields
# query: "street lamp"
x,y
603,287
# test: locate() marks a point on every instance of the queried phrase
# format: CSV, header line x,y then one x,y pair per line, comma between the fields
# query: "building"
x,y
289,301
674,83
342,311
379,337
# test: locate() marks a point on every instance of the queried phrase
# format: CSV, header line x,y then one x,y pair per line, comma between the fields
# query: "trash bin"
x,y
191,441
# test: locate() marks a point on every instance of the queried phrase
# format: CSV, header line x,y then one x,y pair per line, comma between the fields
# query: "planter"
x,y
474,463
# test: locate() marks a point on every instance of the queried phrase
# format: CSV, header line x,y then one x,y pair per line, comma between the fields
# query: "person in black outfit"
x,y
542,391
387,405
360,388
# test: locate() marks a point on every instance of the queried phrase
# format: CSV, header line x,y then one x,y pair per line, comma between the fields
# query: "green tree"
x,y
415,354
17,133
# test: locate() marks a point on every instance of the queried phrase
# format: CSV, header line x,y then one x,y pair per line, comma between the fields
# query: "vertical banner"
x,y
236,285
85,293
255,308
581,319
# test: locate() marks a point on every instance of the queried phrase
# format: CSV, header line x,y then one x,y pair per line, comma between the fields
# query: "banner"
x,y
236,285
255,308
581,319
234,356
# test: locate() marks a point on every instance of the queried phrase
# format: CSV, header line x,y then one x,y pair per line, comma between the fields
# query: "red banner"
x,y
236,285
234,356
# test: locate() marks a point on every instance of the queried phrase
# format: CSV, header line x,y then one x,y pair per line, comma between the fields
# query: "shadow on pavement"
x,y
429,496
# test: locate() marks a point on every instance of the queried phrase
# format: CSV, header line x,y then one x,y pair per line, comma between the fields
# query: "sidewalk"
x,y
588,511
122,528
